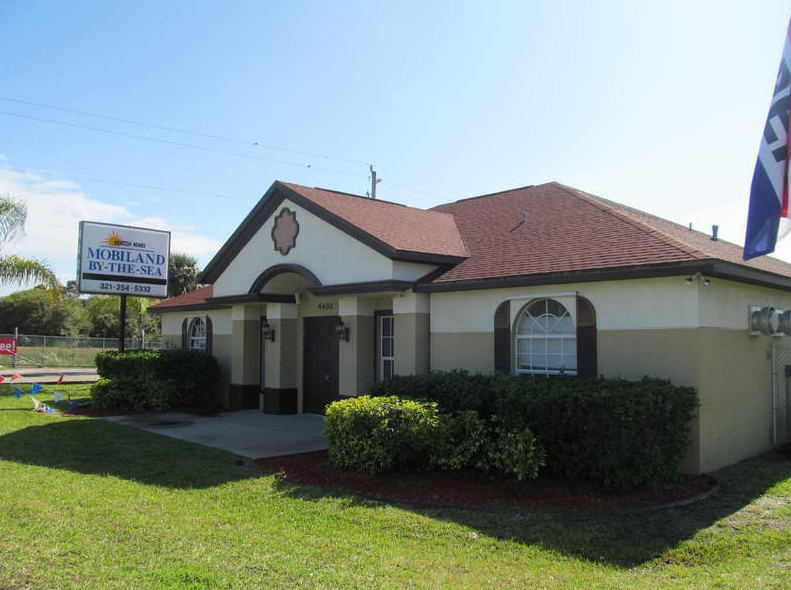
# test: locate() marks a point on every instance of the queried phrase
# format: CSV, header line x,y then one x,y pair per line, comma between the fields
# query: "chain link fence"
x,y
64,351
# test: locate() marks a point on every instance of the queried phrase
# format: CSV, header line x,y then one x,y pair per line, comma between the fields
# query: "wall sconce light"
x,y
698,276
342,330
267,331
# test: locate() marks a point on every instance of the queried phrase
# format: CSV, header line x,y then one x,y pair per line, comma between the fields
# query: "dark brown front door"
x,y
320,366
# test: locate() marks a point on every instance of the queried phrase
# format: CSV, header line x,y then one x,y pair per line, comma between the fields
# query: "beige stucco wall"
x,y
692,334
333,256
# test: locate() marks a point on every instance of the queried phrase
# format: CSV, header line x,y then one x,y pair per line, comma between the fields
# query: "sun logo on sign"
x,y
113,240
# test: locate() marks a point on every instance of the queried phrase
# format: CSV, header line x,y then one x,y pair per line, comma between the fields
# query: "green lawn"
x,y
86,503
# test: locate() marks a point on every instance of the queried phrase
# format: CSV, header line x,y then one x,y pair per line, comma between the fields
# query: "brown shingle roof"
x,y
396,231
194,298
569,231
402,228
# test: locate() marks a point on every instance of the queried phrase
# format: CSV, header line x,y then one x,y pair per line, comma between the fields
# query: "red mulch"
x,y
479,491
466,490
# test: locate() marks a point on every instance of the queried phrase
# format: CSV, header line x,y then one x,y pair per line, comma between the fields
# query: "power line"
x,y
207,149
180,130
177,143
120,183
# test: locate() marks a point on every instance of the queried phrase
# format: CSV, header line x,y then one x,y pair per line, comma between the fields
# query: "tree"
x,y
33,311
104,314
16,269
182,274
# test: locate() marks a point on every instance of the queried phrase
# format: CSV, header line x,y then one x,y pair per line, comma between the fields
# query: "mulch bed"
x,y
472,490
467,489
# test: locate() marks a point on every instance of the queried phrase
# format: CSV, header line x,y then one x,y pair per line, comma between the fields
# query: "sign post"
x,y
122,260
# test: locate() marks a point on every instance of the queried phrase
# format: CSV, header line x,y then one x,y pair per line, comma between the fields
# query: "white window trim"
x,y
566,337
382,358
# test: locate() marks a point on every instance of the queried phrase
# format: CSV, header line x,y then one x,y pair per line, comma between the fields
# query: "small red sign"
x,y
7,345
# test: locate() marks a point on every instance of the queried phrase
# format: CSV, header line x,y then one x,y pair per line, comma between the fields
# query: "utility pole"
x,y
374,181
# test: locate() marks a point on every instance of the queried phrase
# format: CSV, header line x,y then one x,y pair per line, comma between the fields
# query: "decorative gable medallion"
x,y
284,233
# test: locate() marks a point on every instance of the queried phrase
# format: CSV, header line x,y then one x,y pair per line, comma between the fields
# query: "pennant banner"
x,y
18,393
769,190
35,388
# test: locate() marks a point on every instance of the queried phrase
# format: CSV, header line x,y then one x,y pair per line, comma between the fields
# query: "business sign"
x,y
7,345
122,260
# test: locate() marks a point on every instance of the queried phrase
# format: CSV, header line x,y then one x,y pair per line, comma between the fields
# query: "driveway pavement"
x,y
247,433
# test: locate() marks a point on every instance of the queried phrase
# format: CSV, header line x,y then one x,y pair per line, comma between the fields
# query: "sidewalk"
x,y
246,433
49,375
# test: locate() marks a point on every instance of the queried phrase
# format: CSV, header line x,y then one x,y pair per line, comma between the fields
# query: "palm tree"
x,y
16,269
182,274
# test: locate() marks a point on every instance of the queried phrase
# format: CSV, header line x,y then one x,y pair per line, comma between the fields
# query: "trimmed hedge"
x,y
377,434
155,379
620,433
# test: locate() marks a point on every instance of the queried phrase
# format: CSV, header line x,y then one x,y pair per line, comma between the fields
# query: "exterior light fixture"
x,y
700,278
267,331
342,330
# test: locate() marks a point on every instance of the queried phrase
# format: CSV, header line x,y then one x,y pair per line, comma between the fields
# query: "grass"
x,y
55,355
86,503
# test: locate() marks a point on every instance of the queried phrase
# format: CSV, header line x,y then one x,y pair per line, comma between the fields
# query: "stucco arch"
x,y
280,269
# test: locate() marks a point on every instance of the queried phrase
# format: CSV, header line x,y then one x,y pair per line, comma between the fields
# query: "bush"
x,y
619,433
126,393
155,379
462,442
113,364
377,434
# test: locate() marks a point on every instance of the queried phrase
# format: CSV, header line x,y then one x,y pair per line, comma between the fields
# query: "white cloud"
x,y
55,208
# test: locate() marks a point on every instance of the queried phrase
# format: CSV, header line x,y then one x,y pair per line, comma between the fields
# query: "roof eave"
x,y
710,267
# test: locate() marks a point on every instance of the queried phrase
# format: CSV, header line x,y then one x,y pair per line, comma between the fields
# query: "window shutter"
x,y
587,357
502,338
184,335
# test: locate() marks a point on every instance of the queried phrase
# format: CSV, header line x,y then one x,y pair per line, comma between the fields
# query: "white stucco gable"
x,y
334,257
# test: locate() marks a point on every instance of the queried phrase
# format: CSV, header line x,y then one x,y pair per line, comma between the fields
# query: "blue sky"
x,y
657,104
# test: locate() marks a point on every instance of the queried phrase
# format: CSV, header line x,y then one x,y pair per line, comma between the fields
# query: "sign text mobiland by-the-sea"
x,y
122,260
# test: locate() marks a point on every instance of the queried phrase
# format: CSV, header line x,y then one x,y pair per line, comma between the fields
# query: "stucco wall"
x,y
317,246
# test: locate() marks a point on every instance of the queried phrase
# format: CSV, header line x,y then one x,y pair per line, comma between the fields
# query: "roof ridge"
x,y
623,212
295,187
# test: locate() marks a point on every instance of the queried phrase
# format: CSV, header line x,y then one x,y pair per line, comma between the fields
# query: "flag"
x,y
36,388
15,376
18,392
57,397
2,378
769,190
61,378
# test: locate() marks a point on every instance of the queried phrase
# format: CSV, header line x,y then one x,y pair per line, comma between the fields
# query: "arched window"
x,y
546,339
197,334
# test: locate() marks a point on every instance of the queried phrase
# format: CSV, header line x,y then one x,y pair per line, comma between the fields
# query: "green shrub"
x,y
113,364
377,434
517,453
155,379
461,443
126,393
620,433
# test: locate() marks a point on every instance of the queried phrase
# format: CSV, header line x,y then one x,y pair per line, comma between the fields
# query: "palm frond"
x,y
19,271
13,215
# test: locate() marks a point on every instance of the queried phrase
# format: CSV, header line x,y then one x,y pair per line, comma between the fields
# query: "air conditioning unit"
x,y
769,321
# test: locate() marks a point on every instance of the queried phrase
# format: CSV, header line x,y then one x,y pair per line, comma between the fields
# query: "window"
x,y
196,335
386,346
546,340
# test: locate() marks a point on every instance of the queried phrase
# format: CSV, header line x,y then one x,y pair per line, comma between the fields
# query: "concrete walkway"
x,y
46,375
247,433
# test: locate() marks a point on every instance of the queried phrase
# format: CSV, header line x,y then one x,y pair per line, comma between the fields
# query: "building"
x,y
318,294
